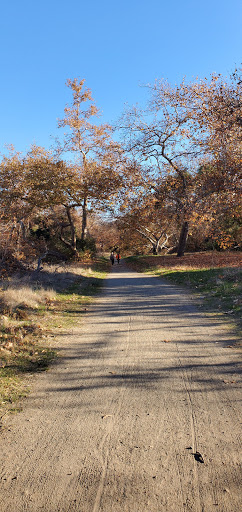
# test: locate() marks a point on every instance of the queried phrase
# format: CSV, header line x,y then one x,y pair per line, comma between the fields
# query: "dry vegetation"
x,y
193,260
18,296
32,306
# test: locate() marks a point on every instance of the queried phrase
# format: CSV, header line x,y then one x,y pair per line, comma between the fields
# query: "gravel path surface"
x,y
144,383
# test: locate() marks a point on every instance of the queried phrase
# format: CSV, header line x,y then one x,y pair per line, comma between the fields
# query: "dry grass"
x,y
25,297
196,260
33,308
22,349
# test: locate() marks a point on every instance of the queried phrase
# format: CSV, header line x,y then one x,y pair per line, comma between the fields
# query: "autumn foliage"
x,y
188,143
172,182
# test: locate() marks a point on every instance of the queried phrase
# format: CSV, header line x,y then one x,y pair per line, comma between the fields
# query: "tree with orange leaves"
x,y
97,166
183,128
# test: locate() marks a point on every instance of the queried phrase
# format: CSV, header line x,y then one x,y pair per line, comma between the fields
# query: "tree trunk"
x,y
183,239
23,229
72,244
84,219
73,231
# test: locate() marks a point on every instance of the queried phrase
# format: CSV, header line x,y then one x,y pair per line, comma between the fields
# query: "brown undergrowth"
x,y
192,260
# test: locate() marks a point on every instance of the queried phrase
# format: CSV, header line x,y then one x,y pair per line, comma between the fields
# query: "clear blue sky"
x,y
114,45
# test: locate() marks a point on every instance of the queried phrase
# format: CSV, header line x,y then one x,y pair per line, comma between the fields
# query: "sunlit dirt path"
x,y
141,386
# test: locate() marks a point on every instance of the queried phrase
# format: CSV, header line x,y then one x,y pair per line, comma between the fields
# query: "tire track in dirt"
x,y
108,427
106,437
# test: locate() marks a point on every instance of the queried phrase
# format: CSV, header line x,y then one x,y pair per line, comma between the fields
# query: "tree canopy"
x,y
174,176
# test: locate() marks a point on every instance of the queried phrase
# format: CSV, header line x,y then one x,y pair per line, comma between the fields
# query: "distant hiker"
x,y
112,258
118,257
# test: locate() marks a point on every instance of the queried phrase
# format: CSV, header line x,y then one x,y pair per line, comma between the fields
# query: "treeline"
x,y
173,180
187,143
45,199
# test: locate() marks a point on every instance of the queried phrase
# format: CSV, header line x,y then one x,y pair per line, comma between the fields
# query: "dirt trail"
x,y
142,385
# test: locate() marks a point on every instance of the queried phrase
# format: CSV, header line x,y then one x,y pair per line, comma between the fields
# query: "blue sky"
x,y
115,46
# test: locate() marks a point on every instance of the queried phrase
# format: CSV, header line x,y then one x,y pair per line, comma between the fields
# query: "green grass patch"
x,y
22,351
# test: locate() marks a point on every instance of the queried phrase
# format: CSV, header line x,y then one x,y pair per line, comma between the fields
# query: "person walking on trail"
x,y
118,257
112,258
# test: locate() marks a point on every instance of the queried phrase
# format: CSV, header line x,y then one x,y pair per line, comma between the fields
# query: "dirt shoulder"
x,y
143,383
214,278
